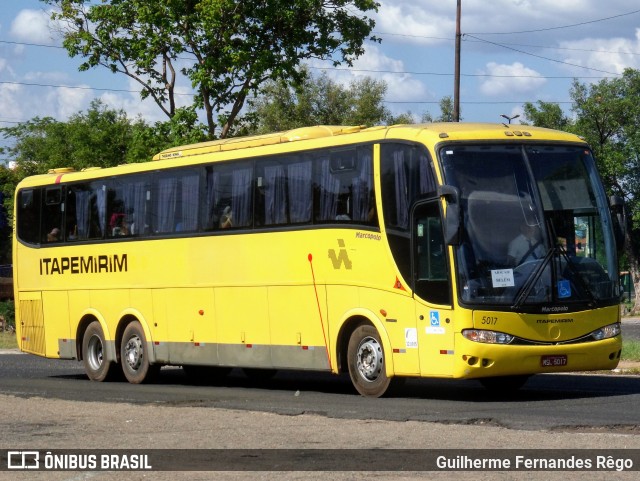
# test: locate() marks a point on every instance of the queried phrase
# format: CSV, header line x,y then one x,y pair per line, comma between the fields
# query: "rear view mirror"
x,y
618,212
451,196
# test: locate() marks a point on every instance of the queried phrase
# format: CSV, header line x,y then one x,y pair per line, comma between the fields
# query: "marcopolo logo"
x,y
340,258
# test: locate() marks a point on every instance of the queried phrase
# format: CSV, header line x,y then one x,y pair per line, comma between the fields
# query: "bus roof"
x,y
442,130
431,134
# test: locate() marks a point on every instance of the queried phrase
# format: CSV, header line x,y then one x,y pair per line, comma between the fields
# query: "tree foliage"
x,y
546,114
224,49
99,137
318,100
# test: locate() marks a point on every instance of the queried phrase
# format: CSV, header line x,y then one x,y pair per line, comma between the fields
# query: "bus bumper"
x,y
477,360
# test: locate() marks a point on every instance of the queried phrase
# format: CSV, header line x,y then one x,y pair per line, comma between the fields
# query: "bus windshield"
x,y
535,227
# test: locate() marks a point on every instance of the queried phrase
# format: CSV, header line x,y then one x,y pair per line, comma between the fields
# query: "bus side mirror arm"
x,y
451,223
618,210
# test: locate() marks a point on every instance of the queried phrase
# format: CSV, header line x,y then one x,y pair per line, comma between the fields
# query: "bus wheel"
x,y
503,384
366,362
134,357
93,354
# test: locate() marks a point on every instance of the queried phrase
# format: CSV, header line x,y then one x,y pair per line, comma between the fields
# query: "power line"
x,y
571,49
81,87
443,74
542,57
450,74
32,44
398,35
559,27
476,102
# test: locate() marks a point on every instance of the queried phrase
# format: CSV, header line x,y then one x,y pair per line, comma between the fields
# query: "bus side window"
x,y
82,212
29,216
52,211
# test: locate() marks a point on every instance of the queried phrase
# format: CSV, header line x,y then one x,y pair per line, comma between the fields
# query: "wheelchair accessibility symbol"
x,y
434,318
564,289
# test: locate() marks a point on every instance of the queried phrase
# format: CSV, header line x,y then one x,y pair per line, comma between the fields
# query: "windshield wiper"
x,y
577,278
537,273
525,290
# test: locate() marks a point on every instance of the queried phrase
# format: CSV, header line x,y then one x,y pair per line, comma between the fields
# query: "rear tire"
x,y
366,361
94,349
134,356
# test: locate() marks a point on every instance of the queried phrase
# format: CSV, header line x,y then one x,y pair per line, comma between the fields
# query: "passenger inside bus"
x,y
527,246
54,235
226,218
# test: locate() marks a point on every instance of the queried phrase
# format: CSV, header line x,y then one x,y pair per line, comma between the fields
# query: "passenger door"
x,y
431,277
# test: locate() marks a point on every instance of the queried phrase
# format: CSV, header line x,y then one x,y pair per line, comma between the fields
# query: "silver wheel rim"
x,y
95,352
133,353
369,359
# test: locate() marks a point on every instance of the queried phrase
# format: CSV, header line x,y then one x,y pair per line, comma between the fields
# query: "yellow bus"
x,y
447,250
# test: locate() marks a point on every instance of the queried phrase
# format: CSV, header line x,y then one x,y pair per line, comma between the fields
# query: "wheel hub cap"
x,y
133,353
369,359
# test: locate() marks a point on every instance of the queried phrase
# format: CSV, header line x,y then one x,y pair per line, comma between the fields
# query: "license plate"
x,y
553,361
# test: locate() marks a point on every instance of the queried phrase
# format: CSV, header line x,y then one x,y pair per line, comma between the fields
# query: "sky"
x,y
512,52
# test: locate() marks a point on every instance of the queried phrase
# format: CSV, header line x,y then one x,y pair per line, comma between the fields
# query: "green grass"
x,y
630,350
8,340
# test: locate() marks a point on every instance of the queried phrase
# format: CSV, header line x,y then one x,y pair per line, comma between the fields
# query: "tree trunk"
x,y
632,250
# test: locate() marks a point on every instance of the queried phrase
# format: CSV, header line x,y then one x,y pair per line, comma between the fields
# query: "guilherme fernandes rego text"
x,y
520,462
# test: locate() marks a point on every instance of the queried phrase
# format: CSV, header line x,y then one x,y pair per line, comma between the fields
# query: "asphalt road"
x,y
547,402
631,329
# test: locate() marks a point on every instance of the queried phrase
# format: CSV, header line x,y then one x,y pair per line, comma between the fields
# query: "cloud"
x,y
32,26
10,99
505,79
406,21
133,106
401,86
68,101
431,21
603,55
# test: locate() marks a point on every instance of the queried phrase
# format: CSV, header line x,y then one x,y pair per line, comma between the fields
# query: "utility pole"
x,y
456,81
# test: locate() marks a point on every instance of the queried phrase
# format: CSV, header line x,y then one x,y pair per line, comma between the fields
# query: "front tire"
x,y
366,361
134,356
94,349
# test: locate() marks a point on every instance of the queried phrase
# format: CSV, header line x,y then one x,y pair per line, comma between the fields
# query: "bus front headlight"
x,y
488,337
606,332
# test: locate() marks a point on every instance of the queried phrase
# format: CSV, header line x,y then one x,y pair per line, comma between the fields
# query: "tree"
x,y
446,110
98,138
226,49
546,114
318,100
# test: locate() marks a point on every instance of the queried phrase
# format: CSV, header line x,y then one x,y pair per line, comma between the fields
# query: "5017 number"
x,y
489,320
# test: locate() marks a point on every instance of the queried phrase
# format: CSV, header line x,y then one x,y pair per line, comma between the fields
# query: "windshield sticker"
x,y
502,278
411,337
564,289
